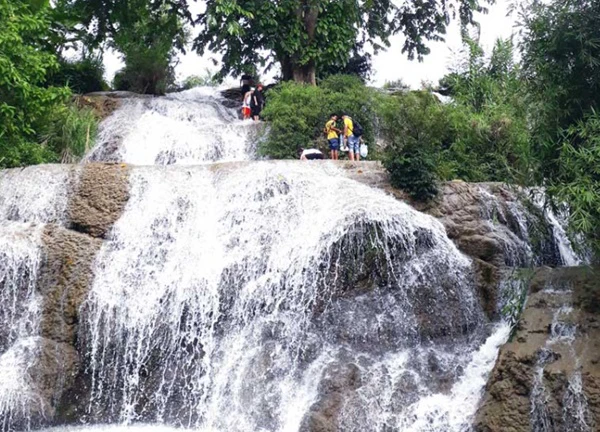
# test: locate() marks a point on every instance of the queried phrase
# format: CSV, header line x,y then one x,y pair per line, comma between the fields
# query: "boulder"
x,y
99,198
65,277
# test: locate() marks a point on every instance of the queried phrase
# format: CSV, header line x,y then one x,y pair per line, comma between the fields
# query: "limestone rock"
x,y
99,197
64,281
557,340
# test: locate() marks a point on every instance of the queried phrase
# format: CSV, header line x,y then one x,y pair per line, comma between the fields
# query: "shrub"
x,y
414,126
298,112
84,75
25,99
414,170
208,79
578,181
70,133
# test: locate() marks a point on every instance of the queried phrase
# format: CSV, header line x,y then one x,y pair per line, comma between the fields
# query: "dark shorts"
x,y
256,111
314,156
334,144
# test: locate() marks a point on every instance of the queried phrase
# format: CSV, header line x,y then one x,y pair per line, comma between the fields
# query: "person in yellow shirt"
x,y
351,140
332,136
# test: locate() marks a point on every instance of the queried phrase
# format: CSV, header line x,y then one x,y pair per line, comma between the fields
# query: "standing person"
x,y
245,84
257,102
353,141
333,136
246,111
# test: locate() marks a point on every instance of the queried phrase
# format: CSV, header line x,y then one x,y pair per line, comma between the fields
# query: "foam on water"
x,y
576,414
19,318
226,290
186,128
35,194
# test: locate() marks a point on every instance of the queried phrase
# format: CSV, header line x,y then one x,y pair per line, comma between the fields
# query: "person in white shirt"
x,y
311,154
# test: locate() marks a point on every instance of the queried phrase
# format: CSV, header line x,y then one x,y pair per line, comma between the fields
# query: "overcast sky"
x,y
387,66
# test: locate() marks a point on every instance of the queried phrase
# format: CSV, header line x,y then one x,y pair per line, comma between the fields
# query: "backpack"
x,y
357,130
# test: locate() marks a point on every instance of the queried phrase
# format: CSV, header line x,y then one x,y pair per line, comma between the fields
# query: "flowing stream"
x,y
250,296
29,198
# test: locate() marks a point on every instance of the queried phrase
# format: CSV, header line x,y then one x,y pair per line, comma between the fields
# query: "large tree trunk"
x,y
291,69
305,74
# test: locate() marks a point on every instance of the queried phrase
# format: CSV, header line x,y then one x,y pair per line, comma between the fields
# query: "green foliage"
x,y
301,34
146,32
413,170
25,101
70,133
297,113
578,181
561,63
414,127
480,135
147,46
84,75
207,79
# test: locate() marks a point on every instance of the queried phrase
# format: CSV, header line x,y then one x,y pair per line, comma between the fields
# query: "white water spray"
x,y
187,128
227,290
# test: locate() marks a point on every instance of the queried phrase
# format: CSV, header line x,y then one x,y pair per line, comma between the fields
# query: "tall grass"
x,y
72,133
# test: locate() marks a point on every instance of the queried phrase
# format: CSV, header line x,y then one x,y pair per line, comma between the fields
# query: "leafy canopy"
x,y
25,101
301,33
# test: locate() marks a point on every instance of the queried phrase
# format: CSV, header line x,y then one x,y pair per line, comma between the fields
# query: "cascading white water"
x,y
19,317
36,194
225,294
516,229
186,128
29,198
576,414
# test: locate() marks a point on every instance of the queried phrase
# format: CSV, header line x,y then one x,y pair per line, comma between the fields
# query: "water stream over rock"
x,y
264,296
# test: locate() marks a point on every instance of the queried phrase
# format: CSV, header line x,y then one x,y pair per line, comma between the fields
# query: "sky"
x,y
387,66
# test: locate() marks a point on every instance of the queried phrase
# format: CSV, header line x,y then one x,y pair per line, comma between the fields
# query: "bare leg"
x,y
351,153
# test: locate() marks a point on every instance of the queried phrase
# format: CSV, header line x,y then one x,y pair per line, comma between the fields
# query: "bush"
x,y
71,133
85,75
414,171
298,112
208,79
146,72
414,127
25,100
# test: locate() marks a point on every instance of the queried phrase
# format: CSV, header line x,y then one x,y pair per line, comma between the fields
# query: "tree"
x,y
147,32
301,34
561,63
25,101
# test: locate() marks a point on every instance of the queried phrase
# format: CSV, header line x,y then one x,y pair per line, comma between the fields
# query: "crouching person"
x,y
311,154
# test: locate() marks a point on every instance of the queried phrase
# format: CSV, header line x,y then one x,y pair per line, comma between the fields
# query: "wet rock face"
x,y
548,377
65,277
496,224
100,195
97,196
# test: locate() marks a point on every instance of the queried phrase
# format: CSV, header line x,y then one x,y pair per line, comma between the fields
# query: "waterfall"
x,y
235,289
36,194
19,318
29,198
184,128
236,295
576,414
531,234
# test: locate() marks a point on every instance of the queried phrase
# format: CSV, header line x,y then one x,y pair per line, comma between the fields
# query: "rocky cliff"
x,y
493,224
547,378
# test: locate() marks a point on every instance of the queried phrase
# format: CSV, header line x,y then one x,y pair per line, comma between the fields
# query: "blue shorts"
x,y
354,144
334,144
